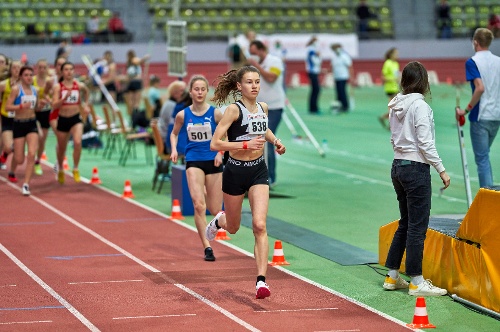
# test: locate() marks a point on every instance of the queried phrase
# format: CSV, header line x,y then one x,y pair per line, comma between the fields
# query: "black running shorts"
x,y
240,175
65,124
24,127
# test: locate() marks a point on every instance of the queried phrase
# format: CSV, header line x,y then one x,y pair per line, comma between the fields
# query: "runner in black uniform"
x,y
245,123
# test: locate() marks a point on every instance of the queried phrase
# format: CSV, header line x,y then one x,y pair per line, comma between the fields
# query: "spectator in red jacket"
x,y
494,25
115,25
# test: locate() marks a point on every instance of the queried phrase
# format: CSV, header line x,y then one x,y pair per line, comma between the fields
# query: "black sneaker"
x,y
209,254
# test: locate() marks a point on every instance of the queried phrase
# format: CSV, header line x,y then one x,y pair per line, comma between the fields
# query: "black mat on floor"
x,y
445,225
321,245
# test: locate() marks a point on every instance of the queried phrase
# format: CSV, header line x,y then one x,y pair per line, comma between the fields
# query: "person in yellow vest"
x,y
40,81
8,117
390,78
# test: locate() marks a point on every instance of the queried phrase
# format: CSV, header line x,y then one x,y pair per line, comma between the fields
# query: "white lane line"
x,y
339,331
357,177
137,260
345,297
249,254
30,322
7,286
103,282
219,309
161,316
295,310
49,290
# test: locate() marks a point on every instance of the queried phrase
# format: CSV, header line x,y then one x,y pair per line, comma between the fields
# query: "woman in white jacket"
x,y
413,140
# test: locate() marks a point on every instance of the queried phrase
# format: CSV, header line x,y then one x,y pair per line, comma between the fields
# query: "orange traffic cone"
x,y
127,191
278,256
24,58
176,210
222,235
44,156
420,318
65,164
95,177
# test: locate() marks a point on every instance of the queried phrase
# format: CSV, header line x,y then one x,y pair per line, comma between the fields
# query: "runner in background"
x,y
8,117
203,166
40,81
68,95
390,78
23,102
4,73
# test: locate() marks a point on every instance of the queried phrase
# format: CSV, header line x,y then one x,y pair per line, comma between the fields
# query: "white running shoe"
x,y
26,190
211,230
262,290
392,284
426,288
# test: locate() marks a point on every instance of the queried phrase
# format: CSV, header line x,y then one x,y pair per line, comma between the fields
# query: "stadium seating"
x,y
56,19
50,20
467,15
220,18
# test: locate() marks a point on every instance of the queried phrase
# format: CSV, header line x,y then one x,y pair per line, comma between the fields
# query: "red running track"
x,y
76,258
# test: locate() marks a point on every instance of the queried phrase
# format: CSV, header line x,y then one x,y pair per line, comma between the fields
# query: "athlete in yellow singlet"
x,y
8,117
4,66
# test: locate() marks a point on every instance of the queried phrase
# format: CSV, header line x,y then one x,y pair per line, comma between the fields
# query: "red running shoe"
x,y
262,290
12,178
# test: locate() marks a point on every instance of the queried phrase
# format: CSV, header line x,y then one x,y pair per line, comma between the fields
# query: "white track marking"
x,y
295,310
30,322
49,290
217,308
137,260
8,286
161,316
357,177
339,331
102,282
249,254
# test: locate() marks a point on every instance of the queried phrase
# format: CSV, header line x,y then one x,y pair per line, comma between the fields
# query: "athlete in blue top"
x,y
23,102
203,166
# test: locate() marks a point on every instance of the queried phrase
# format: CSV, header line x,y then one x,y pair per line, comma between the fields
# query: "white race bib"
x,y
29,99
199,132
72,97
257,124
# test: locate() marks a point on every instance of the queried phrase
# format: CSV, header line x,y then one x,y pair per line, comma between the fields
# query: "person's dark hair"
x,y
24,68
62,67
389,52
226,85
259,45
186,99
414,79
130,57
66,64
57,59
